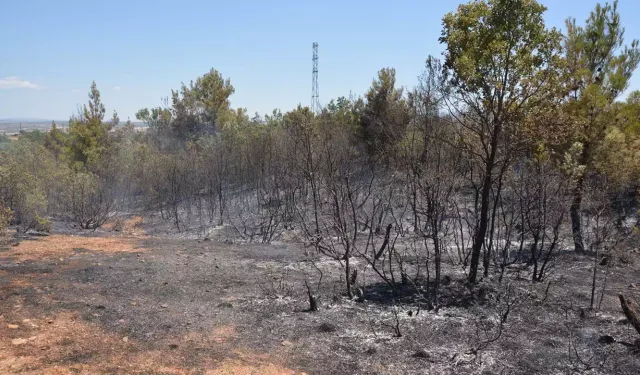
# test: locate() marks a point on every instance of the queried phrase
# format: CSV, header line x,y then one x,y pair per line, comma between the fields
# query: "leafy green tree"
x,y
347,112
600,66
385,115
56,141
197,109
500,63
158,121
89,137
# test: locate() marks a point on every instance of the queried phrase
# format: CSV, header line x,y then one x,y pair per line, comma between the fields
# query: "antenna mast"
x,y
315,102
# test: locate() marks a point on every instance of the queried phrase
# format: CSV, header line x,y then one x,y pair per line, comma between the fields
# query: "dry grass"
x,y
249,365
58,246
128,227
65,344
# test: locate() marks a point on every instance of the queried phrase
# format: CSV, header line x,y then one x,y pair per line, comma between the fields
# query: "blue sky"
x,y
137,51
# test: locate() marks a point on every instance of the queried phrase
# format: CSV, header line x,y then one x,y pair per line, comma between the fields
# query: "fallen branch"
x,y
630,312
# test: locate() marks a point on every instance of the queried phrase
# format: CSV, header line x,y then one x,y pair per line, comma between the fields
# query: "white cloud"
x,y
17,83
116,88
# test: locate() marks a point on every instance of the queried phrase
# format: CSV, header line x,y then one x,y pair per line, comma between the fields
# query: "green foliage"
x,y
198,108
4,142
89,137
41,224
600,66
158,122
500,58
5,218
385,115
26,175
57,141
33,135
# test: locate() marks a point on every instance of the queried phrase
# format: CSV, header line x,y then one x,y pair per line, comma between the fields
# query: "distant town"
x,y
15,126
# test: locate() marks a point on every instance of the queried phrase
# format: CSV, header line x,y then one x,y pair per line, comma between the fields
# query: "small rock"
x,y
121,321
227,305
125,339
134,303
633,286
228,241
606,339
207,239
173,346
18,341
286,343
327,327
50,321
372,350
12,326
164,305
421,353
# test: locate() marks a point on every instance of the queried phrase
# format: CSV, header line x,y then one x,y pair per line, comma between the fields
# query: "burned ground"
x,y
108,304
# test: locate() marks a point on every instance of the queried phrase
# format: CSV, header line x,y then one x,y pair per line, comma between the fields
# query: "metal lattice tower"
x,y
315,97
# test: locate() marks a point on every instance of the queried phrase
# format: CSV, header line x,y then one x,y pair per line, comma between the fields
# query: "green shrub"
x,y
41,224
5,218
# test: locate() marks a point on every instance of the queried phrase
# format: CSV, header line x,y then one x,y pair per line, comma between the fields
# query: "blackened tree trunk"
x,y
576,224
485,206
481,231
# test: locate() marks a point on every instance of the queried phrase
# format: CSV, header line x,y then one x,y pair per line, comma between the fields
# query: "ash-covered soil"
x,y
107,304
